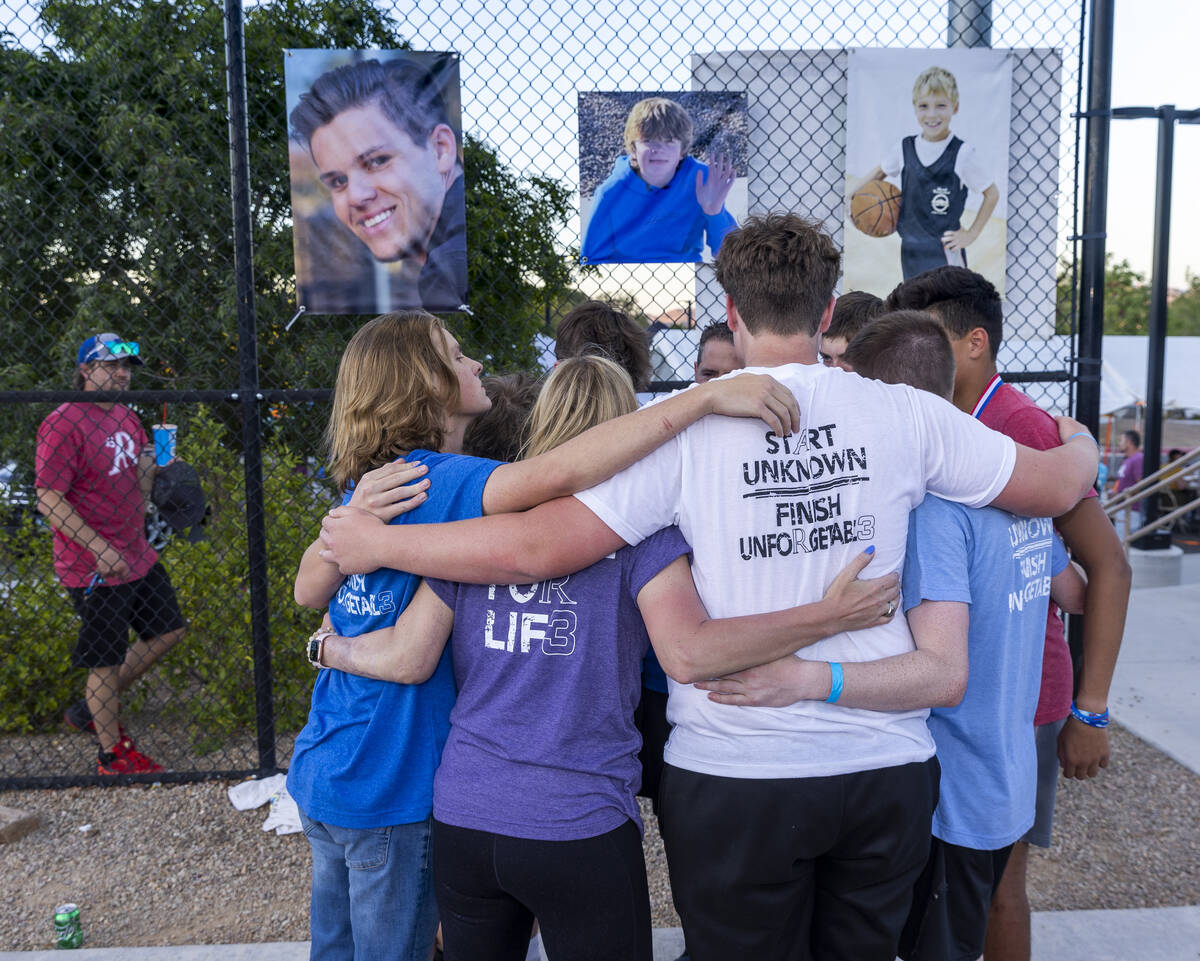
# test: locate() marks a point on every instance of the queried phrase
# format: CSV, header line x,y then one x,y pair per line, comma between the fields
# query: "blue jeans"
x,y
372,892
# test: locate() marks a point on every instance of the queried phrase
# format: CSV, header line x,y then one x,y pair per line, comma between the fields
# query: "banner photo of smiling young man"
x,y
375,149
927,160
646,197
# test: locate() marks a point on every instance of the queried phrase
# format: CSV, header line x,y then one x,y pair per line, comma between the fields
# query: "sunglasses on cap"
x,y
112,350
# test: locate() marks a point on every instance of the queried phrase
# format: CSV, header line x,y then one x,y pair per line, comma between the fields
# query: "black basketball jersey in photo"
x,y
931,202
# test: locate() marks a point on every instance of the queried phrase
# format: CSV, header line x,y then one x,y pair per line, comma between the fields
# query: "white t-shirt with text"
x,y
772,520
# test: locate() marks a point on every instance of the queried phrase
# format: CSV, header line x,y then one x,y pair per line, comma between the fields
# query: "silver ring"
x,y
891,609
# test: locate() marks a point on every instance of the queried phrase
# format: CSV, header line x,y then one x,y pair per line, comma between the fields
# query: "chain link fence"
x,y
116,209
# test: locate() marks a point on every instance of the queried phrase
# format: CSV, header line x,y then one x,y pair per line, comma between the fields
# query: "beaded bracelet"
x,y
836,680
1088,718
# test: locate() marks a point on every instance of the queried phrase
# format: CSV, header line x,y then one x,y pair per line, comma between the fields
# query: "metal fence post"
x,y
1095,200
239,149
1157,328
969,23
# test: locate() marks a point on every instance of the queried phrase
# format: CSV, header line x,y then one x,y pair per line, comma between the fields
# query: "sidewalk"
x,y
1156,688
1155,694
1160,934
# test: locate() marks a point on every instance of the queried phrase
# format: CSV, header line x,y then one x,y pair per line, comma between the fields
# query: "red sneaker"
x,y
79,718
126,759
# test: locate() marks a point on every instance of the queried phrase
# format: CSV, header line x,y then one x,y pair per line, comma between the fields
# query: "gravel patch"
x,y
176,864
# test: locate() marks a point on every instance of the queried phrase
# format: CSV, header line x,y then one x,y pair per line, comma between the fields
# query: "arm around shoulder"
x,y
405,653
1049,483
693,647
934,675
557,538
317,580
606,449
1068,589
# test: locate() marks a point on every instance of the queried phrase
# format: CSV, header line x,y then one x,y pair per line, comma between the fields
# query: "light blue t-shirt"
x,y
634,223
367,756
1000,565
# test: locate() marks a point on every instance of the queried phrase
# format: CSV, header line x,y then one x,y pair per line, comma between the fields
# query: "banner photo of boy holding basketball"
x,y
927,136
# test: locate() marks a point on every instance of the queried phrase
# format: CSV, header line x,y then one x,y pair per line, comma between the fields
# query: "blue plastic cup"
x,y
164,443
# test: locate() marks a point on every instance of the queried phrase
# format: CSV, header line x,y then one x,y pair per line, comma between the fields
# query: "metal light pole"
x,y
1167,117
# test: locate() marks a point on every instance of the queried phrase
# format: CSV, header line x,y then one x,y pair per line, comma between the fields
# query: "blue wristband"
x,y
1088,718
837,679
1082,433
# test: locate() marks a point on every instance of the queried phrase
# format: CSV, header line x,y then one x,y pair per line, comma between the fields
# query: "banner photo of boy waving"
x,y
646,197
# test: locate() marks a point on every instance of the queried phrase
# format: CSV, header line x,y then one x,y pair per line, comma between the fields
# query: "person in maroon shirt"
x,y
970,308
94,474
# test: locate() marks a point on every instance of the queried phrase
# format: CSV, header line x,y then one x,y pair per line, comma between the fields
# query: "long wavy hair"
x,y
394,389
579,393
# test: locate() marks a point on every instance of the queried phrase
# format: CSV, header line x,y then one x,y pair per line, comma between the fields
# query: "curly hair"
x,y
779,270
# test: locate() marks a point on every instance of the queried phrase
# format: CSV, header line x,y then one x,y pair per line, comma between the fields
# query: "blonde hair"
x,y
579,393
936,80
394,389
657,118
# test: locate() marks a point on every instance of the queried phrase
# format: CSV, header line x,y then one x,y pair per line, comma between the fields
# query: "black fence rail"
x,y
144,189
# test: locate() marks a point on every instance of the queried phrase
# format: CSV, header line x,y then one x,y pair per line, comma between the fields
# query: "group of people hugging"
x,y
508,643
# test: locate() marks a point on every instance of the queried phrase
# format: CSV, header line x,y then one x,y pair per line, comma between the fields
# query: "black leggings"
x,y
590,897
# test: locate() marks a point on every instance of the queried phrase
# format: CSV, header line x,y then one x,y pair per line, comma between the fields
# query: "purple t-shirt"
x,y
542,742
1130,471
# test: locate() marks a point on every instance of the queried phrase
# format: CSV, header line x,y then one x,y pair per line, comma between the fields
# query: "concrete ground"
x,y
1155,694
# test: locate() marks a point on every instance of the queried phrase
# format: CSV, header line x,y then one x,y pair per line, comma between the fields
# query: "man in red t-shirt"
x,y
970,309
93,477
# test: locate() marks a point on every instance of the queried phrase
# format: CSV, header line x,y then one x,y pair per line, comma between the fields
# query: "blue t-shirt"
x,y
367,755
542,741
634,223
1000,565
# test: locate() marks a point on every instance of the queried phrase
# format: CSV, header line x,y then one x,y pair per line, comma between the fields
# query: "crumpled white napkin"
x,y
284,815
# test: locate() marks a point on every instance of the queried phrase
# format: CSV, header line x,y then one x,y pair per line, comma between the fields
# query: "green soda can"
x,y
68,931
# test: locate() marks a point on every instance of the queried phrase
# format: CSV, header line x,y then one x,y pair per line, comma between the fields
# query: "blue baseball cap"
x,y
109,347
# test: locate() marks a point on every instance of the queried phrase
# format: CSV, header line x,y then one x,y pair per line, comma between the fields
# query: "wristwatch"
x,y
315,644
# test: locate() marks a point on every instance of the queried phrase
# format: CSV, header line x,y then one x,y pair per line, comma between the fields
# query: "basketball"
x,y
875,208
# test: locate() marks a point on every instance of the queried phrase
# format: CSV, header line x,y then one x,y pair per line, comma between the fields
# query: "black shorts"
x,y
146,606
792,869
951,901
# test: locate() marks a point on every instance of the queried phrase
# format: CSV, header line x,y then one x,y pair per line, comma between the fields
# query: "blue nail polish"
x,y
870,550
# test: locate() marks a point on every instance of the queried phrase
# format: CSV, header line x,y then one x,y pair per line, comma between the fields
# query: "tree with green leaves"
x,y
1127,302
1126,298
116,212
1183,313
115,199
